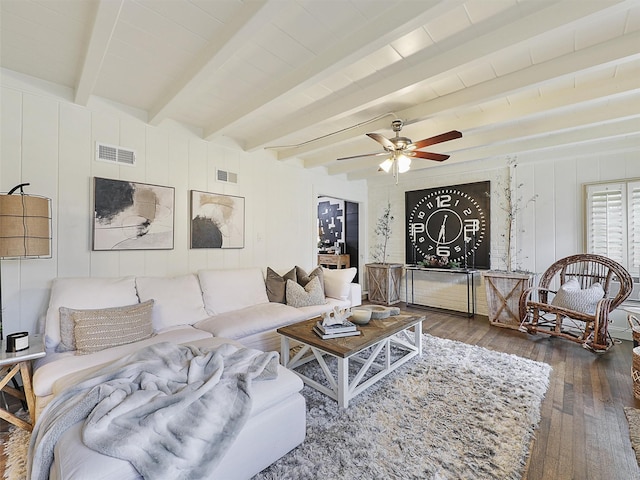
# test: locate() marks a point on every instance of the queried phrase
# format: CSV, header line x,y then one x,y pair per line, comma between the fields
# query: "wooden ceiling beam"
x,y
362,41
231,37
465,48
107,14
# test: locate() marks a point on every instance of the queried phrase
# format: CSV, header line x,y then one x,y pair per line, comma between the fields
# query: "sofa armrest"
x,y
355,294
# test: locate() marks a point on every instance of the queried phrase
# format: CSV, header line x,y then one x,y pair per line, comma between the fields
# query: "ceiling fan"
x,y
399,150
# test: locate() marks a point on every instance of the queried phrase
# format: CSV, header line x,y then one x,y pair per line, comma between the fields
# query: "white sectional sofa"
x,y
207,308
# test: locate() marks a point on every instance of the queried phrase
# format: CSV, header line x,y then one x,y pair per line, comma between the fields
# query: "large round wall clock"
x,y
450,222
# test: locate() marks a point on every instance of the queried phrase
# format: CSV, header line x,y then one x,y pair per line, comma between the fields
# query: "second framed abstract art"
x,y
217,221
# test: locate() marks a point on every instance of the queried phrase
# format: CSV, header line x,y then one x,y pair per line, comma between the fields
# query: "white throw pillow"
x,y
337,282
572,297
85,293
310,294
178,300
233,289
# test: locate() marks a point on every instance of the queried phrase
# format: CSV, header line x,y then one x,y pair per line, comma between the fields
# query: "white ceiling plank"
x,y
625,83
468,49
516,77
619,135
388,26
599,56
217,52
621,110
107,16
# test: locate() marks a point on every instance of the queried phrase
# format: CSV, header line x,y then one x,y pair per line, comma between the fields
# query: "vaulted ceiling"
x,y
306,79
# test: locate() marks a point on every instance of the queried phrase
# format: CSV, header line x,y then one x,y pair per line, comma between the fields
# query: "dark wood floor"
x,y
583,434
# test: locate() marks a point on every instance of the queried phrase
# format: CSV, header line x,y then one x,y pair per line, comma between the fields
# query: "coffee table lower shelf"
x,y
371,356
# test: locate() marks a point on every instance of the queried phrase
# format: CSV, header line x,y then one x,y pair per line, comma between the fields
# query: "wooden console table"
x,y
330,259
410,270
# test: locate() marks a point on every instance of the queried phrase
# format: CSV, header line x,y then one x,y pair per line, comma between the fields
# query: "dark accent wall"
x,y
351,233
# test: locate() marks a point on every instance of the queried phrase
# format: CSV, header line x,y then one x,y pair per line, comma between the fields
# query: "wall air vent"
x,y
226,177
113,154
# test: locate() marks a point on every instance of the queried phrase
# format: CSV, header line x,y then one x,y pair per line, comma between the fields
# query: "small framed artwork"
x,y
132,216
217,221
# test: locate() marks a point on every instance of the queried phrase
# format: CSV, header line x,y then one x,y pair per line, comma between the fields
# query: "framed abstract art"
x,y
132,216
217,221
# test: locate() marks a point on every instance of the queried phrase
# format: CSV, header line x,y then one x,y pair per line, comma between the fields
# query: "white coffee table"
x,y
401,331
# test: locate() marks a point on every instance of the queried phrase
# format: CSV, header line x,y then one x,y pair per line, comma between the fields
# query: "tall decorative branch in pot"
x,y
383,232
383,279
512,204
503,288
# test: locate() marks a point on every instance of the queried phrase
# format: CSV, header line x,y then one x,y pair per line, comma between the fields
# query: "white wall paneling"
x,y
549,228
50,142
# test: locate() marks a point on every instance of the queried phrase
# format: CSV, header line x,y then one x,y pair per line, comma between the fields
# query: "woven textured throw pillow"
x,y
95,330
572,297
67,331
311,294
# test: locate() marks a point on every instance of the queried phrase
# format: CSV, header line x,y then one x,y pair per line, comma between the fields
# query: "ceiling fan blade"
x,y
377,154
438,157
443,137
386,143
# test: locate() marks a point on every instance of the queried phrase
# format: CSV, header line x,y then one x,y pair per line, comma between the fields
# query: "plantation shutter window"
x,y
613,222
633,202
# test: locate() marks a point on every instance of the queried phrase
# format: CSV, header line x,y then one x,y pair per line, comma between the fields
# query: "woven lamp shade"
x,y
24,226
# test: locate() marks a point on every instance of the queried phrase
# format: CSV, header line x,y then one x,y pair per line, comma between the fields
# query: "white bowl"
x,y
360,316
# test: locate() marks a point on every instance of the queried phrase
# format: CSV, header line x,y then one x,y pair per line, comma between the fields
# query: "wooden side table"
x,y
330,259
20,362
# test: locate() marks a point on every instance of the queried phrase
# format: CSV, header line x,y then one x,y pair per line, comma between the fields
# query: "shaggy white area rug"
x,y
15,451
457,412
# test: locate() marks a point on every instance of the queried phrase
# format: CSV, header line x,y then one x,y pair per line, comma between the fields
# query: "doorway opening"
x,y
338,229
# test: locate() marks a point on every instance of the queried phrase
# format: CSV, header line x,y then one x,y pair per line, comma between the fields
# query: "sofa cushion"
x,y
276,284
228,290
85,293
572,297
337,282
247,321
310,294
178,300
97,329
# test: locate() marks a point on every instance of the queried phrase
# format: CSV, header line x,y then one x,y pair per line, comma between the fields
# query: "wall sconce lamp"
x,y
25,228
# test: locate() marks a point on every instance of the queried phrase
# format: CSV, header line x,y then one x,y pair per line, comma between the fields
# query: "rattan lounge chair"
x,y
539,315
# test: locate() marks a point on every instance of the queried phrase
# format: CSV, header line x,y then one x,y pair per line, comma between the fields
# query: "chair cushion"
x,y
572,297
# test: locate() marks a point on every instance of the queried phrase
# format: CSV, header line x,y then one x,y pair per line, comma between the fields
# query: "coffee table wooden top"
x,y
344,347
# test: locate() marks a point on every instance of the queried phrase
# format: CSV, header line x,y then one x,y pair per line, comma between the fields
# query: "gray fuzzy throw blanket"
x,y
171,410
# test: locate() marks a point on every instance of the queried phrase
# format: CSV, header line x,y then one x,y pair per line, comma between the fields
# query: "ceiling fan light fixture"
x,y
386,165
404,163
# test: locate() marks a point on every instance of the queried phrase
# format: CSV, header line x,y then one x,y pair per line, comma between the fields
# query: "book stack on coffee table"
x,y
344,329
